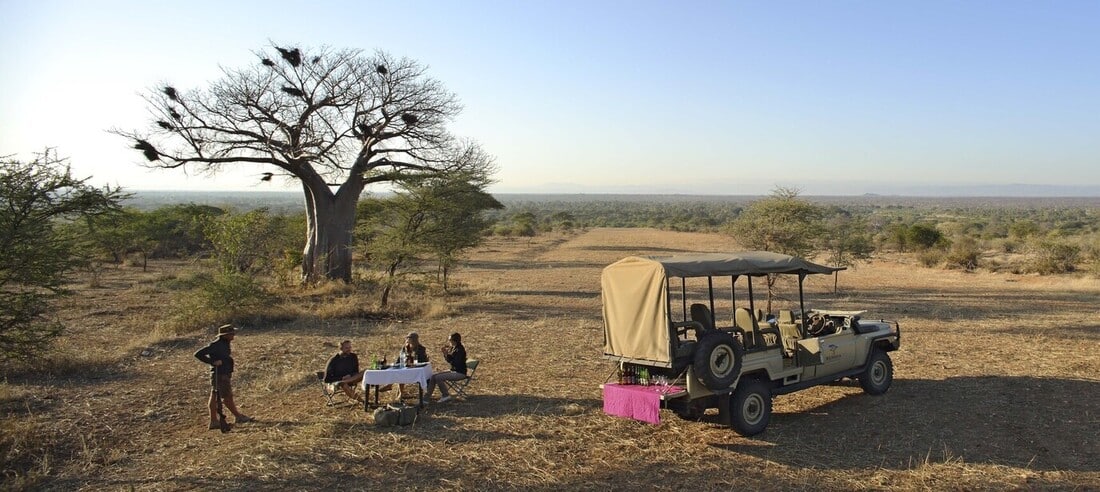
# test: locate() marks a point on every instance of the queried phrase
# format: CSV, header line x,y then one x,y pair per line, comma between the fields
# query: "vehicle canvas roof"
x,y
755,263
635,294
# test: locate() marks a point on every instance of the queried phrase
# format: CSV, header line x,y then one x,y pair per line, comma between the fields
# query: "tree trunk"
x,y
330,222
445,271
391,273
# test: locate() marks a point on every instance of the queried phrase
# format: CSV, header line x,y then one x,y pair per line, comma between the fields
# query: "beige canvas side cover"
x,y
635,310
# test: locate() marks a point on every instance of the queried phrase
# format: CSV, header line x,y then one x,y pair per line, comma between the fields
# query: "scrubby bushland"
x,y
1053,256
434,219
37,253
963,253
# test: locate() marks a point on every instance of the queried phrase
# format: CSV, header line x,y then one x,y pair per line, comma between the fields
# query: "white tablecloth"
x,y
408,375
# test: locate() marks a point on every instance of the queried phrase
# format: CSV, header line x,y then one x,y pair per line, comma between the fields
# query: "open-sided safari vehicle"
x,y
661,315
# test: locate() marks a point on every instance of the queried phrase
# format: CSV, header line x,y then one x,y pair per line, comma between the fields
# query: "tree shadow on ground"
x,y
1036,423
636,250
527,264
961,306
514,309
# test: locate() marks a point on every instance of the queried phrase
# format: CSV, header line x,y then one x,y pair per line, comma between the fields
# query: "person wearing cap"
x,y
413,349
219,356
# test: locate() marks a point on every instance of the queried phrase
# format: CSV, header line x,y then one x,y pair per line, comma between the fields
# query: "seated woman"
x,y
455,354
413,351
343,369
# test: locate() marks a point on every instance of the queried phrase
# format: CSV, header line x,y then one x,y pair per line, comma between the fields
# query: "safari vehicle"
x,y
736,362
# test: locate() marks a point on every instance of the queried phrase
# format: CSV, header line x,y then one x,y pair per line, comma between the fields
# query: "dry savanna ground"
x,y
996,386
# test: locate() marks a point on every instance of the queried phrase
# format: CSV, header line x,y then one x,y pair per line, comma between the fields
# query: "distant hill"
x,y
844,188
289,201
275,201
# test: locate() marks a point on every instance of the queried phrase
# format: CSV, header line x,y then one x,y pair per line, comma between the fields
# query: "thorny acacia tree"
x,y
438,217
336,120
38,199
781,223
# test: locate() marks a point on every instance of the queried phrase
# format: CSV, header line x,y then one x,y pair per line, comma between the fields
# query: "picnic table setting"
x,y
381,374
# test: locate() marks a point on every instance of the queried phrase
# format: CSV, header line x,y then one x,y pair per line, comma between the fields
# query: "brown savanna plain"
x,y
997,386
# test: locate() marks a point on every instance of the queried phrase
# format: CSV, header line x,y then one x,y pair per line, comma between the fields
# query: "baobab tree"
x,y
337,121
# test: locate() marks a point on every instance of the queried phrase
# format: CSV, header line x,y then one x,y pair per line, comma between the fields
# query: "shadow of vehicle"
x,y
1038,423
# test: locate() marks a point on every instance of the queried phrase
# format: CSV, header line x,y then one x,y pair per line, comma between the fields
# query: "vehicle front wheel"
x,y
878,375
750,407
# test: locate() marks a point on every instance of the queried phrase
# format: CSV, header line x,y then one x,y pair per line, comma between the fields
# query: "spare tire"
x,y
717,360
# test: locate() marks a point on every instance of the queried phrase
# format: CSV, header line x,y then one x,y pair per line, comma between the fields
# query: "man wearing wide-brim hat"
x,y
219,355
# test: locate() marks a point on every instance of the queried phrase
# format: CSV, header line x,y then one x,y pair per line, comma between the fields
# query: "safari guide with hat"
x,y
219,355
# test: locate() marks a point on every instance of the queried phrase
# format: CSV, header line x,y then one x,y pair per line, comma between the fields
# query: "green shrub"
x,y
925,236
1010,246
523,229
964,253
230,292
1052,257
217,298
930,257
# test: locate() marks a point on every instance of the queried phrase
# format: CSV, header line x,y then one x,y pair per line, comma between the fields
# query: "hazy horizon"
x,y
609,97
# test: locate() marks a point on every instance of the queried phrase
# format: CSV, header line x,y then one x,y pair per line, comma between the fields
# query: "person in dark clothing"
x,y
411,352
219,355
413,349
455,354
343,369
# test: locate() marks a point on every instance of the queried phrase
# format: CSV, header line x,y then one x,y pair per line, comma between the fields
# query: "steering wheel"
x,y
816,326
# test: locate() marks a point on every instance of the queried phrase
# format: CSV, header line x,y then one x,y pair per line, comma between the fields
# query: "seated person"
x,y
343,369
455,354
413,351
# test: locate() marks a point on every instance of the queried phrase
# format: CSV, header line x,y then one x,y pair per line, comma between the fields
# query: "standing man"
x,y
218,355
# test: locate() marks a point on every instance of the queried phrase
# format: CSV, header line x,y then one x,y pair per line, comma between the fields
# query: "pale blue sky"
x,y
618,96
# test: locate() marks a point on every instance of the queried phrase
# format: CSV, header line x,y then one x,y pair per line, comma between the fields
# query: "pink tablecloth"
x,y
635,402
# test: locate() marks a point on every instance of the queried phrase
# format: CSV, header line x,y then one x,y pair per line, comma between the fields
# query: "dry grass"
x,y
996,388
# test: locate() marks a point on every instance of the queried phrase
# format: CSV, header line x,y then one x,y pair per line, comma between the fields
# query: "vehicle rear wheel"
x,y
750,407
717,360
878,375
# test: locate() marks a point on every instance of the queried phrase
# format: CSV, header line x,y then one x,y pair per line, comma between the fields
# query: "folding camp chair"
x,y
459,386
330,390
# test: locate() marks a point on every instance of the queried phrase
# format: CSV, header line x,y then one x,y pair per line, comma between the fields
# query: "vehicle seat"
x,y
789,331
742,318
701,313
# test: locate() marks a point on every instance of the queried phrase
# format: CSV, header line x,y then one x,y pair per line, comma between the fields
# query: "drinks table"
x,y
417,374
